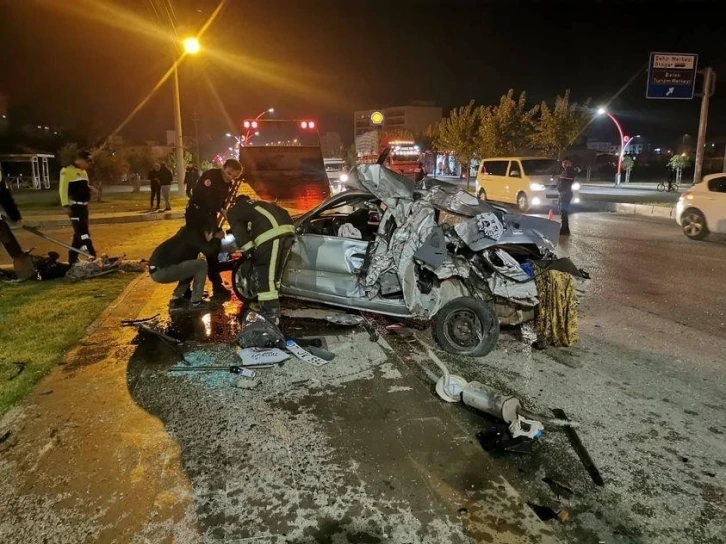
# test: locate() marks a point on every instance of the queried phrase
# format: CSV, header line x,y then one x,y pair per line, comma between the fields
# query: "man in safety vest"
x,y
75,193
265,231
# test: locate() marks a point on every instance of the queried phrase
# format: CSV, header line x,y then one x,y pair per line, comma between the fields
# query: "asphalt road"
x,y
645,382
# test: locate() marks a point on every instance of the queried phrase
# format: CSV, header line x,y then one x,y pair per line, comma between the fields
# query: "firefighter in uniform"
x,y
75,193
265,232
564,188
208,198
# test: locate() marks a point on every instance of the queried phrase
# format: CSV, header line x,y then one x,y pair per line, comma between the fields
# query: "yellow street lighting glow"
x,y
191,46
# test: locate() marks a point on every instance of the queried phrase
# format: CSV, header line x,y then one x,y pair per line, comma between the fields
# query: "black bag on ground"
x,y
258,332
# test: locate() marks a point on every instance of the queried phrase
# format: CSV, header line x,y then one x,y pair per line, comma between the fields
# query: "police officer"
x,y
190,178
75,193
564,188
265,230
208,199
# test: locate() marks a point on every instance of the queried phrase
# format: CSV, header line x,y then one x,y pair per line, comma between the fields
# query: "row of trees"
x,y
511,127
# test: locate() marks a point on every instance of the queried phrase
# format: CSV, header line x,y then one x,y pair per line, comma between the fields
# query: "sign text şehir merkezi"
x,y
672,76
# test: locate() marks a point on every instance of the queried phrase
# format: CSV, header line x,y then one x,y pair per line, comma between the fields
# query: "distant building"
x,y
636,146
331,145
415,117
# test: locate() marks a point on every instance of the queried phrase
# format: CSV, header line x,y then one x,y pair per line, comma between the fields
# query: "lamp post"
x,y
259,116
191,47
623,142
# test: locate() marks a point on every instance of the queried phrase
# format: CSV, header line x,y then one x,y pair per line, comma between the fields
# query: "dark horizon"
x,y
325,59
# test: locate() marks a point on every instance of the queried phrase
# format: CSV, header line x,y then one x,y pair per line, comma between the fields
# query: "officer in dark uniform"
x,y
564,188
75,194
208,199
9,210
265,230
190,178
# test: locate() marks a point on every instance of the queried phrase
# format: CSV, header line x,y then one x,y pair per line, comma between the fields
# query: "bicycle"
x,y
663,186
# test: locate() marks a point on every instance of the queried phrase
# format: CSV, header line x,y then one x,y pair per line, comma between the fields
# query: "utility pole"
x,y
178,147
709,80
196,139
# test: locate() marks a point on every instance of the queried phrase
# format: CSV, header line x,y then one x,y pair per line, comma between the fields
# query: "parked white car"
x,y
702,209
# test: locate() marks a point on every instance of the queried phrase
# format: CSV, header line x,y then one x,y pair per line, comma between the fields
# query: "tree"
x,y
458,134
67,153
107,167
561,125
352,156
628,163
206,165
140,159
171,160
506,129
678,163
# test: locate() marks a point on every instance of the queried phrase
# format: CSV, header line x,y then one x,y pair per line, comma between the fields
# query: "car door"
x,y
320,266
494,178
714,205
514,181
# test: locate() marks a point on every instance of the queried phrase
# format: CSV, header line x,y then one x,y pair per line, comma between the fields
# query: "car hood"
x,y
381,182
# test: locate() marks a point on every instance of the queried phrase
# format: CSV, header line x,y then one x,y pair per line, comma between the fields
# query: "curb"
x,y
645,210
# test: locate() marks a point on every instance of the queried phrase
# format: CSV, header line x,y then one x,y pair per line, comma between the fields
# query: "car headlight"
x,y
343,178
536,187
575,186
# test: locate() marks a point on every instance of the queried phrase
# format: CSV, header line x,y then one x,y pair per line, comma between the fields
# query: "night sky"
x,y
86,66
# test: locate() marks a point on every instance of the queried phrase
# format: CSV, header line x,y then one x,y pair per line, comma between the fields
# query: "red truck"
x,y
402,156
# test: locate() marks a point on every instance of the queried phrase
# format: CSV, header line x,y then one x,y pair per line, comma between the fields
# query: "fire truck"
x,y
402,156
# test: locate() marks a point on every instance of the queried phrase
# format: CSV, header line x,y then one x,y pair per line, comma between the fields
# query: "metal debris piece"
x,y
132,322
580,449
303,355
545,513
559,488
348,320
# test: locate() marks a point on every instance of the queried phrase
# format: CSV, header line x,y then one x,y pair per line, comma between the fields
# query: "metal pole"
x,y
702,122
178,145
196,138
622,147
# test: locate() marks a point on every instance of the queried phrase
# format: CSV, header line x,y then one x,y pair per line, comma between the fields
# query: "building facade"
x,y
415,117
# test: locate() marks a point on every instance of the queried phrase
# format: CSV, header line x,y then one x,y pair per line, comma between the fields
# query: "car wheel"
x,y
482,194
243,282
694,224
522,202
467,326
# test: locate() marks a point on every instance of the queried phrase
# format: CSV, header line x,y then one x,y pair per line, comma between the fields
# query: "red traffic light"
x,y
246,124
311,124
304,124
307,124
250,124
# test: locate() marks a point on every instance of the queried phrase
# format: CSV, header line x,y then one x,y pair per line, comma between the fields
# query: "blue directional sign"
x,y
672,76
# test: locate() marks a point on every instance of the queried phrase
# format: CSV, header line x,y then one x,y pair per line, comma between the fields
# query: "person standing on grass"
x,y
165,179
190,178
155,184
75,194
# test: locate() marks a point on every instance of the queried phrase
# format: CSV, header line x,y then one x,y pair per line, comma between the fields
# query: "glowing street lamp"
x,y
623,141
191,46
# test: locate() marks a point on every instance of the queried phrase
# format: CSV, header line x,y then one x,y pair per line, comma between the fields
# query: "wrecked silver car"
x,y
433,253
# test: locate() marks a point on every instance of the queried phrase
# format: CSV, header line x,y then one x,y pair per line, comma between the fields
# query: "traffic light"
x,y
307,124
250,124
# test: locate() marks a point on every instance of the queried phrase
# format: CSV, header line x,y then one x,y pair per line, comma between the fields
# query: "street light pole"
x,y
178,142
602,111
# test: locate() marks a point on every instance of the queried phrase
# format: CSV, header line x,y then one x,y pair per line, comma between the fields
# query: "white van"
x,y
528,182
335,169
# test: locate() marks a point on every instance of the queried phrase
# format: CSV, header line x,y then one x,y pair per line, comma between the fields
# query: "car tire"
x,y
242,281
693,224
522,202
482,194
456,323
